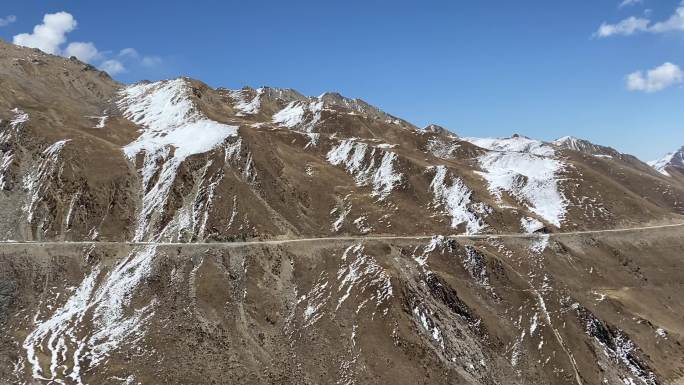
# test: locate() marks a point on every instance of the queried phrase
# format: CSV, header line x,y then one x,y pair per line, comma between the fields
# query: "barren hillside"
x,y
135,219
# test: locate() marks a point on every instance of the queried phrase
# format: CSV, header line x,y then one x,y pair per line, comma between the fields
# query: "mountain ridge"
x,y
155,125
170,232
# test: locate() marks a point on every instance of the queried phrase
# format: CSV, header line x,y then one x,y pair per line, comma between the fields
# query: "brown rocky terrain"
x,y
140,224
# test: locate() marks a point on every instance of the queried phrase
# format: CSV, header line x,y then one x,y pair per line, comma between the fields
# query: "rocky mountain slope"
x,y
671,165
133,168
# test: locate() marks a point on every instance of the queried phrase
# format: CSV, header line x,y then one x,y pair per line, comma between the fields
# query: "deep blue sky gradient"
x,y
479,68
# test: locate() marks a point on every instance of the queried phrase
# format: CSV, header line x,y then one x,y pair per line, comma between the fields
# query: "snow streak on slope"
x,y
514,144
94,321
455,198
569,142
437,309
190,221
619,347
37,181
524,168
360,282
173,129
586,147
442,149
361,273
576,144
17,122
244,106
368,165
300,114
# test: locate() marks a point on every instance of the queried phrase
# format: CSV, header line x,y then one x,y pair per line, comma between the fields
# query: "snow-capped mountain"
x,y
587,147
673,160
169,232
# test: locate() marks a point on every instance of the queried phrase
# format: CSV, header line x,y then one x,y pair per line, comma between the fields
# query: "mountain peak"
x,y
586,147
435,128
673,159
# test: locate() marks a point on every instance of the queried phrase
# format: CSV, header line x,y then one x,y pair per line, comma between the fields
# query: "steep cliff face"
x,y
127,170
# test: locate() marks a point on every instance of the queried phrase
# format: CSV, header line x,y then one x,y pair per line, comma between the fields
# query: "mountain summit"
x,y
671,161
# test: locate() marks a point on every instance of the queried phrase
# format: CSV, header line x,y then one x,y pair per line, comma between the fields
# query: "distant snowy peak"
x,y
570,142
352,106
678,159
661,164
673,159
516,143
437,129
586,147
288,108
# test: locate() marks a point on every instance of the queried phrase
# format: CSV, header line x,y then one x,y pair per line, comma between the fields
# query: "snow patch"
x,y
341,213
37,181
20,117
361,273
101,120
531,179
296,113
244,106
368,165
513,144
429,326
530,225
316,300
455,198
540,244
173,129
94,322
442,149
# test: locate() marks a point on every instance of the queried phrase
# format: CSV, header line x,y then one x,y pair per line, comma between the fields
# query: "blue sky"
x,y
480,68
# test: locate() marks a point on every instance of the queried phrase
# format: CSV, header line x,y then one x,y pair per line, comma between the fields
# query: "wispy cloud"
x,y
113,66
673,23
627,3
7,20
625,27
656,79
632,25
131,54
51,35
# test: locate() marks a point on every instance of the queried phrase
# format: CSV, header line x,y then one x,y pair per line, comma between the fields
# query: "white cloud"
x,y
112,67
625,27
674,23
5,21
86,52
627,3
129,52
151,61
656,79
633,25
49,35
